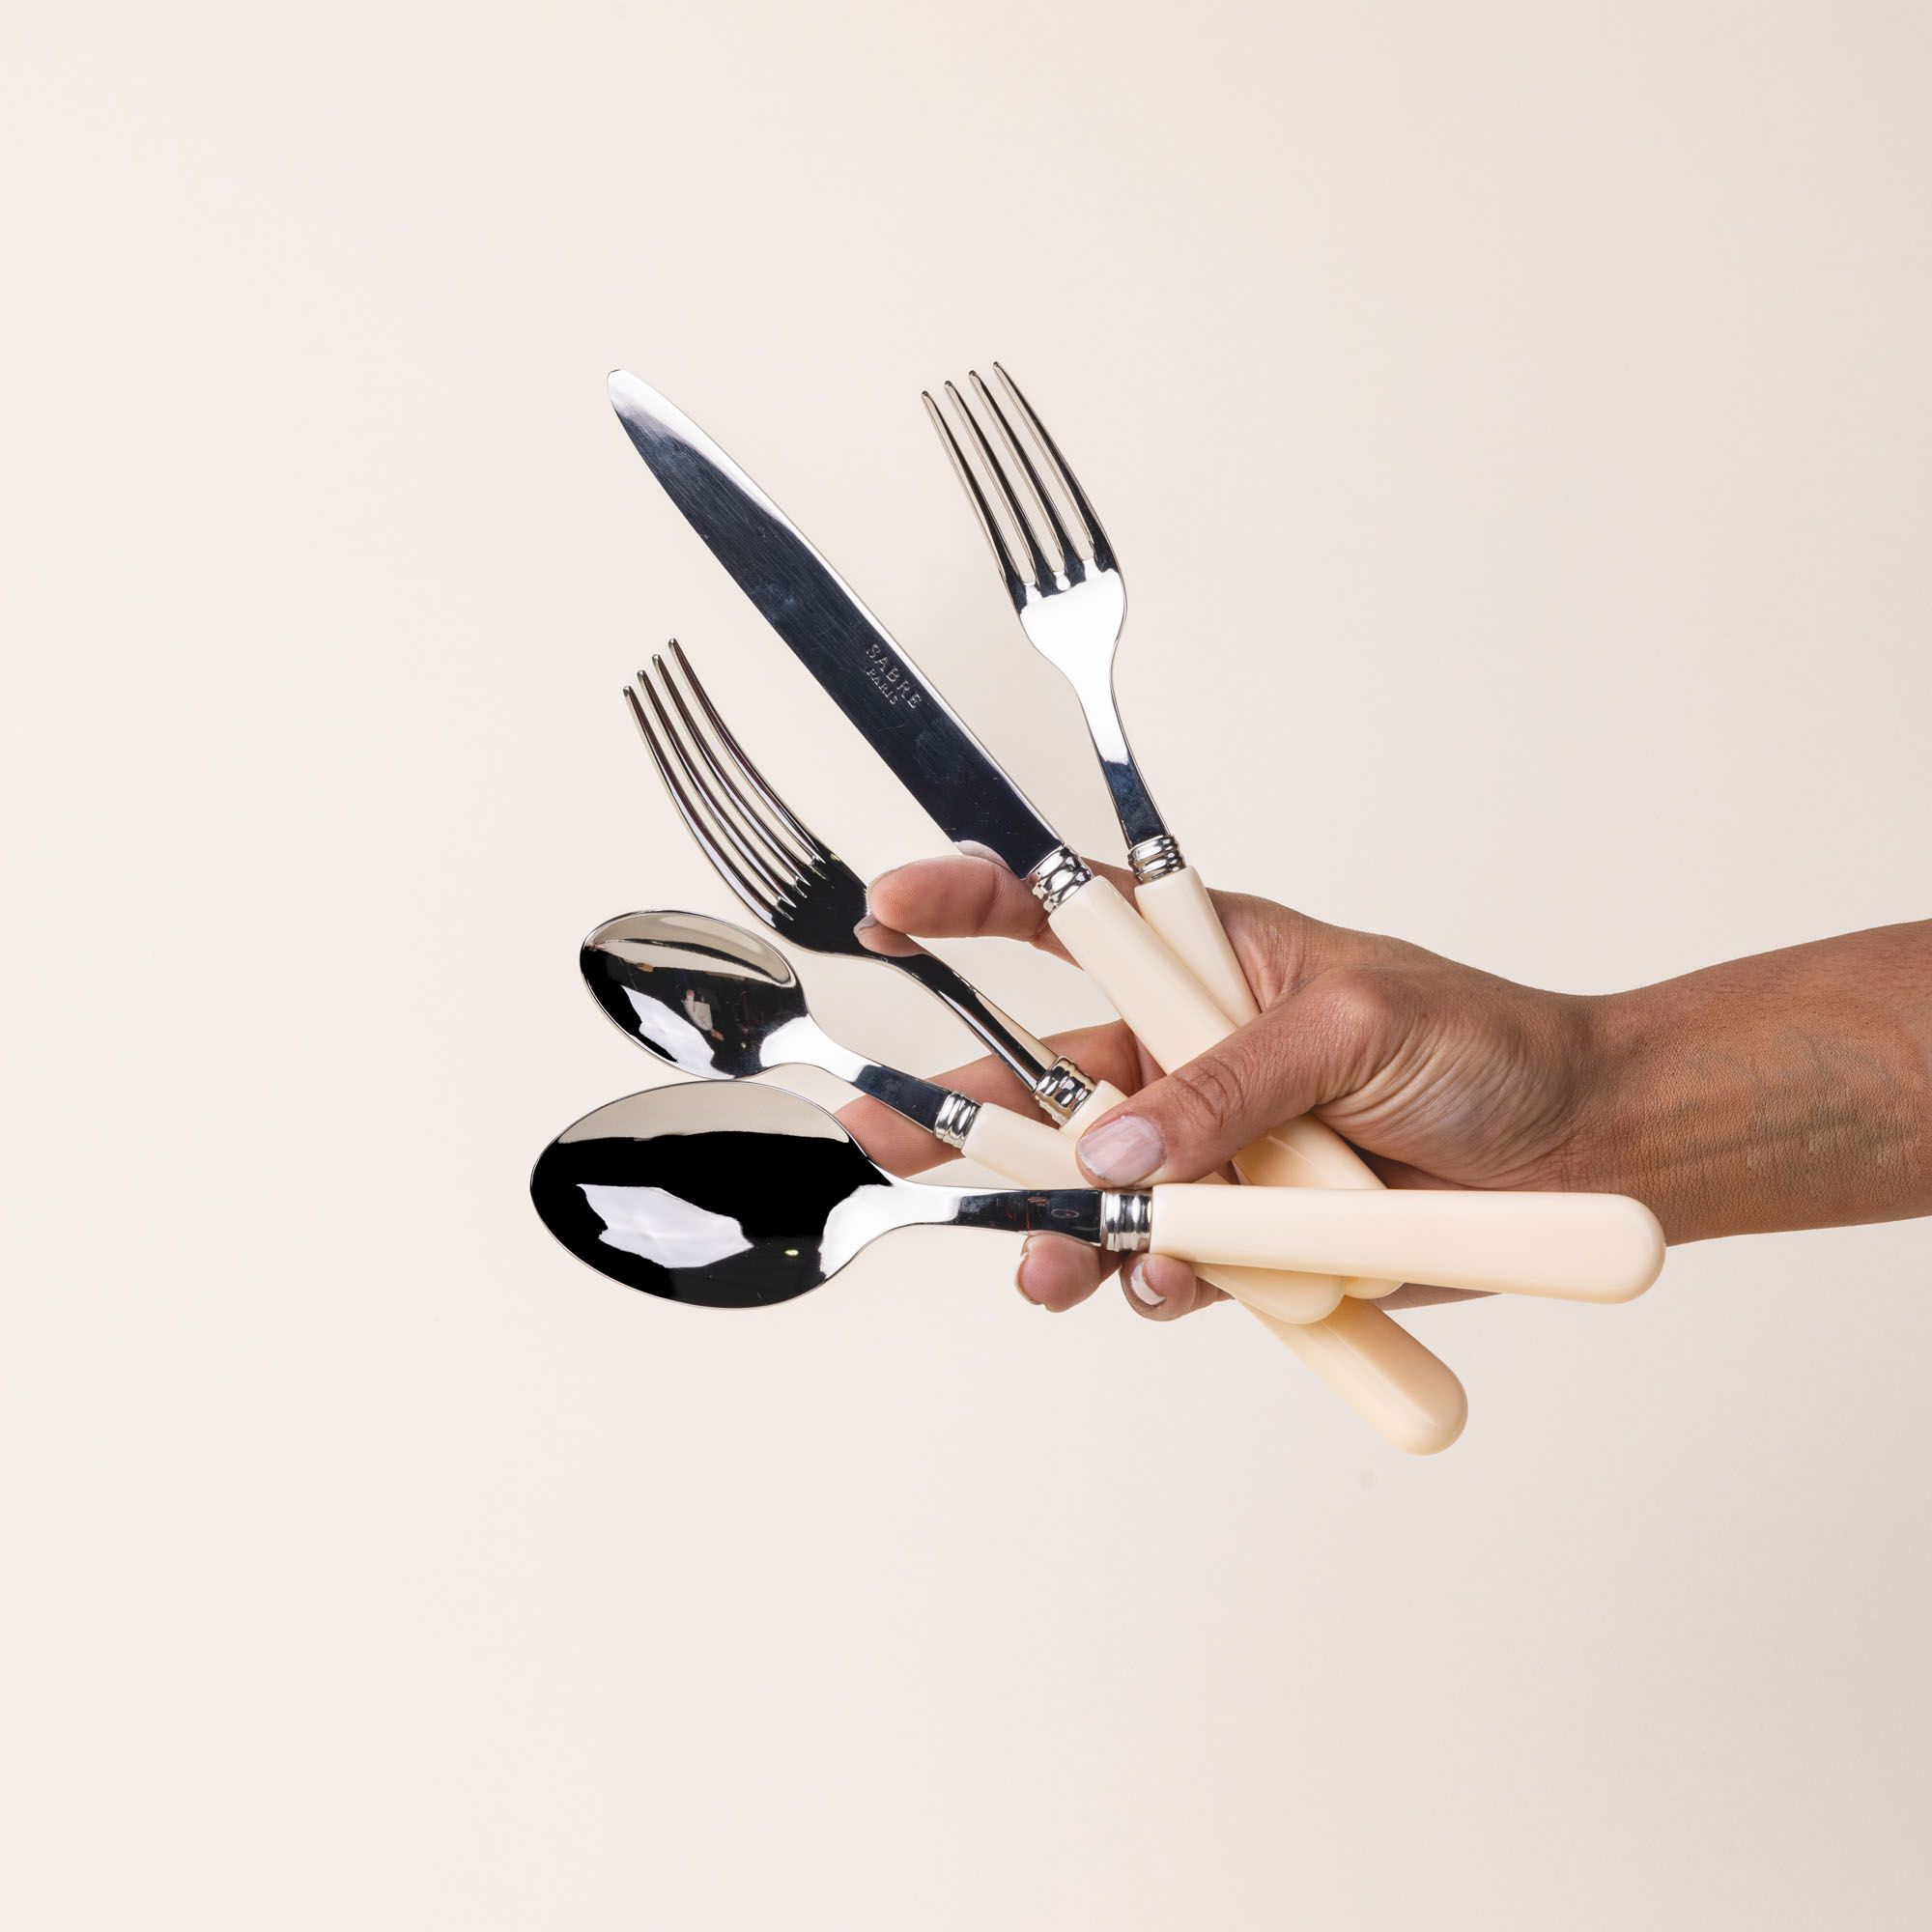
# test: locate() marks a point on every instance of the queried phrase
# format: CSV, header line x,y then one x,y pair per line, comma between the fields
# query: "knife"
x,y
964,790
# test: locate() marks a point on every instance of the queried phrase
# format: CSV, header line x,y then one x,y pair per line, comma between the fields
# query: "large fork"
x,y
802,890
794,882
1065,586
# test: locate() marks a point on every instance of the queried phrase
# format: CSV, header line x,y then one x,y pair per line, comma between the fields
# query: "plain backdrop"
x,y
1515,424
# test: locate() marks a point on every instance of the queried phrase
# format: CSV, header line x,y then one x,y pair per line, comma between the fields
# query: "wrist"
x,y
1638,1134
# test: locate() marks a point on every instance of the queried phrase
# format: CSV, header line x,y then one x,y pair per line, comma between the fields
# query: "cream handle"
x,y
1177,1020
1178,907
1573,1247
1030,1152
1409,1397
1103,1099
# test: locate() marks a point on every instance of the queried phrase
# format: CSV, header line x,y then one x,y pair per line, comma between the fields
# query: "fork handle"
x,y
1177,1020
1408,1396
1178,907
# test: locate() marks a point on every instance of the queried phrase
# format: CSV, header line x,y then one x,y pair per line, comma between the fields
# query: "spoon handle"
x,y
1573,1247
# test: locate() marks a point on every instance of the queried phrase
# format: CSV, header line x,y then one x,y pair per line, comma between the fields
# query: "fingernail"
x,y
866,924
1137,1281
973,849
1020,1273
1123,1152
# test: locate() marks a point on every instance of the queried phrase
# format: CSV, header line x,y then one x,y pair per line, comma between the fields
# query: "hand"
x,y
1442,1076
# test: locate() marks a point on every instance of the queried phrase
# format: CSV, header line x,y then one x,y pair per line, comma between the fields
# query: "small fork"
x,y
1065,586
794,882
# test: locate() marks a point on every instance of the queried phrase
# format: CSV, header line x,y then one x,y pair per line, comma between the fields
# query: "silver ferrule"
x,y
954,1121
1155,859
1058,877
1062,1090
1127,1222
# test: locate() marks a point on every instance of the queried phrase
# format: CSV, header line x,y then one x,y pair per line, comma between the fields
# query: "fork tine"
x,y
1003,483
753,839
811,849
1103,550
757,897
1016,579
1070,551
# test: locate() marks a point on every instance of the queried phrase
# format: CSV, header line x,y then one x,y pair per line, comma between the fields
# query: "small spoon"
x,y
722,1004
743,1196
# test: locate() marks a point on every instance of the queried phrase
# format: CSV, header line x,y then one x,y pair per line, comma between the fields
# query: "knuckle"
x,y
1210,1091
1353,1001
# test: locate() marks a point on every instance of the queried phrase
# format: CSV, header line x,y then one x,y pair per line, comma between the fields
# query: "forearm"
x,y
1789,1090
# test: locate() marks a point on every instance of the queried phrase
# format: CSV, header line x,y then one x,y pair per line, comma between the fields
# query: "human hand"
x,y
1442,1075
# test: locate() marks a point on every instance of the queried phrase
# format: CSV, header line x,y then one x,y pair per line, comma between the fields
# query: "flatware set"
x,y
741,1195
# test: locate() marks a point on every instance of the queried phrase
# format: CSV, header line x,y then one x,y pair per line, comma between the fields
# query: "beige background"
x,y
1515,422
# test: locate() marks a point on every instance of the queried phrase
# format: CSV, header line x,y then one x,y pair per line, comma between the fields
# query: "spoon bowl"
x,y
701,994
743,1197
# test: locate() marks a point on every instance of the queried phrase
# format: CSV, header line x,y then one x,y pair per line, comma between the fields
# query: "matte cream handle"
x,y
1103,1099
1409,1397
1267,1292
1178,907
1177,1020
1030,1152
1573,1247
1022,1147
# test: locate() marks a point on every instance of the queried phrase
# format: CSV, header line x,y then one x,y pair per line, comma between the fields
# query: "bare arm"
x,y
1792,1089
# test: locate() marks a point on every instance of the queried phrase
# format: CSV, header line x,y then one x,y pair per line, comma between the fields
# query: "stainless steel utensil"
x,y
1065,586
722,1003
794,882
740,1196
934,754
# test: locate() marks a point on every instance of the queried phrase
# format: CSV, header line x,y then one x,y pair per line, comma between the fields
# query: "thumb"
x,y
1316,1046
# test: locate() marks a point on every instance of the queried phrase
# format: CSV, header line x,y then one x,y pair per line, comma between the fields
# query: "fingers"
x,y
1418,1294
961,898
1059,1273
1316,1044
1163,1289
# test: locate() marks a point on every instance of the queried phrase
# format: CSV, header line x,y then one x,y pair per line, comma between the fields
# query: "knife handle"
x,y
1409,1397
1570,1248
1177,1020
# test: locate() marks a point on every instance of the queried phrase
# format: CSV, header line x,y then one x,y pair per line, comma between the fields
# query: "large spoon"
x,y
743,1196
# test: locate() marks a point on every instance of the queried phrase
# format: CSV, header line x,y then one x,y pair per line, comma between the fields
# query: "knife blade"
x,y
853,656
